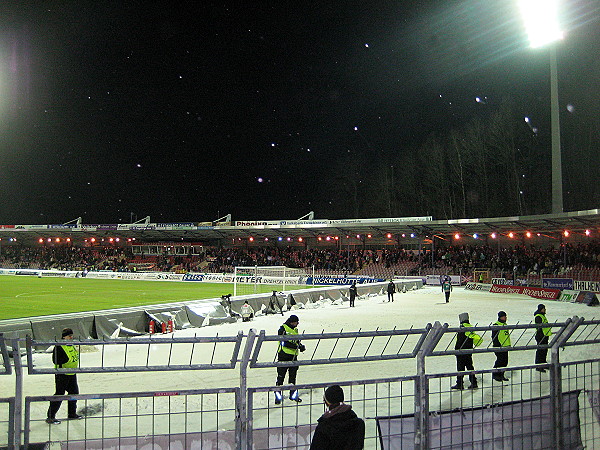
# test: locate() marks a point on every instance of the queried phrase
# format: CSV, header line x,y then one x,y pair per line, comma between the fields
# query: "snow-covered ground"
x,y
410,309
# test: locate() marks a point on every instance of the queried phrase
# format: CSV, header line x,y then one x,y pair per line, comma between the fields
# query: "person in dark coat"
x,y
339,428
391,290
353,292
274,304
542,336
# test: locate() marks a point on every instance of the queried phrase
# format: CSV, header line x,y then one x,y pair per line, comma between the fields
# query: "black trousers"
x,y
501,361
64,383
447,296
390,296
541,353
281,371
465,362
352,298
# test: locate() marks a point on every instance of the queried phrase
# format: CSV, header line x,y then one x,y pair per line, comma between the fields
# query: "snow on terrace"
x,y
410,309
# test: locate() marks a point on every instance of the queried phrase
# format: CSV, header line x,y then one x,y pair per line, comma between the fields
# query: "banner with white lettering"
x,y
535,292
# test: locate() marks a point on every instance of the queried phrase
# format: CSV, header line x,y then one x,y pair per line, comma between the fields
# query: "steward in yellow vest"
x,y
288,351
542,336
64,356
465,340
500,338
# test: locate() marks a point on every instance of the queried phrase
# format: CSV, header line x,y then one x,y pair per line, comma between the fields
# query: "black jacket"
x,y
462,341
339,429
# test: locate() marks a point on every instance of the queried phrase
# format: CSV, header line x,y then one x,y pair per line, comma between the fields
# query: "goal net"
x,y
482,276
262,279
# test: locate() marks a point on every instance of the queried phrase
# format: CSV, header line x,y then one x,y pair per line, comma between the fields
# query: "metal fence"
x,y
415,409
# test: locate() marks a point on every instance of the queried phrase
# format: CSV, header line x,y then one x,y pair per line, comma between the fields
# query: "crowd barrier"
x,y
415,409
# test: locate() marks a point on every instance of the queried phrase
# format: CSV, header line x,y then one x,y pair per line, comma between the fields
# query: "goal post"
x,y
482,276
262,279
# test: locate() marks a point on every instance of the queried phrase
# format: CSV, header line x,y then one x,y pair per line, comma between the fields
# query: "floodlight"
x,y
541,21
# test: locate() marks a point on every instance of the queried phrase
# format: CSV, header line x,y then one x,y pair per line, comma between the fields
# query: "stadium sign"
x,y
478,287
329,280
557,283
592,286
547,294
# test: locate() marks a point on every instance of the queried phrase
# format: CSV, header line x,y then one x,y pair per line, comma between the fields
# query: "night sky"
x,y
189,111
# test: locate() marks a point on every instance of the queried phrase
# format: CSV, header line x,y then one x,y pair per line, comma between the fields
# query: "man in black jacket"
x,y
352,291
339,428
391,290
542,335
465,341
65,356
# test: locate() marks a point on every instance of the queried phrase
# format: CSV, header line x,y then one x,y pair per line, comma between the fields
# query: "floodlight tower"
x,y
541,22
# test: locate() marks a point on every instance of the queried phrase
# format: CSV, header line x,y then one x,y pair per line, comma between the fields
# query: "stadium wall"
x,y
135,321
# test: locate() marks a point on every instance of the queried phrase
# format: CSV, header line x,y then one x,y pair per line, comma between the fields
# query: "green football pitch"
x,y
26,296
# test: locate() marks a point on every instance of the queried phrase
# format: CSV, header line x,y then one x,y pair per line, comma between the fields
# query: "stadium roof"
x,y
214,232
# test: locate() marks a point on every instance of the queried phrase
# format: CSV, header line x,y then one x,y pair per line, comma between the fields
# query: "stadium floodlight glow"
x,y
300,239
475,236
389,235
251,239
337,238
528,234
117,239
588,232
57,240
456,236
369,235
566,233
403,235
541,21
412,235
280,238
111,240
511,235
93,239
494,235
289,239
319,238
358,236
49,239
41,241
266,239
328,238
129,239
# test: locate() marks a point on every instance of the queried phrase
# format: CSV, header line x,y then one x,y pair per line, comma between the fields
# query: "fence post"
x,y
244,428
18,409
434,334
556,378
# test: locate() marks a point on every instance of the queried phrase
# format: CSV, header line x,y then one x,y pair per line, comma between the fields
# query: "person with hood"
x,y
353,291
247,312
288,351
340,427
542,335
64,356
391,290
274,304
500,338
465,341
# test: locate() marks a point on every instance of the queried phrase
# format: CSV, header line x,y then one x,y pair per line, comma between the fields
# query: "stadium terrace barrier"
x,y
418,410
135,321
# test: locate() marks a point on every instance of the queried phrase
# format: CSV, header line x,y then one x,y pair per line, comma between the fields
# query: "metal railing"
x,y
414,408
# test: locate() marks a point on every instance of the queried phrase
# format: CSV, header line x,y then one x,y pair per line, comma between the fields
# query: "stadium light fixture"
x,y
266,239
456,236
358,236
528,234
337,238
542,25
369,235
251,239
93,240
389,235
412,235
493,235
511,235
403,235
68,239
41,241
588,232
280,238
475,236
57,240
328,238
566,233
319,238
300,239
